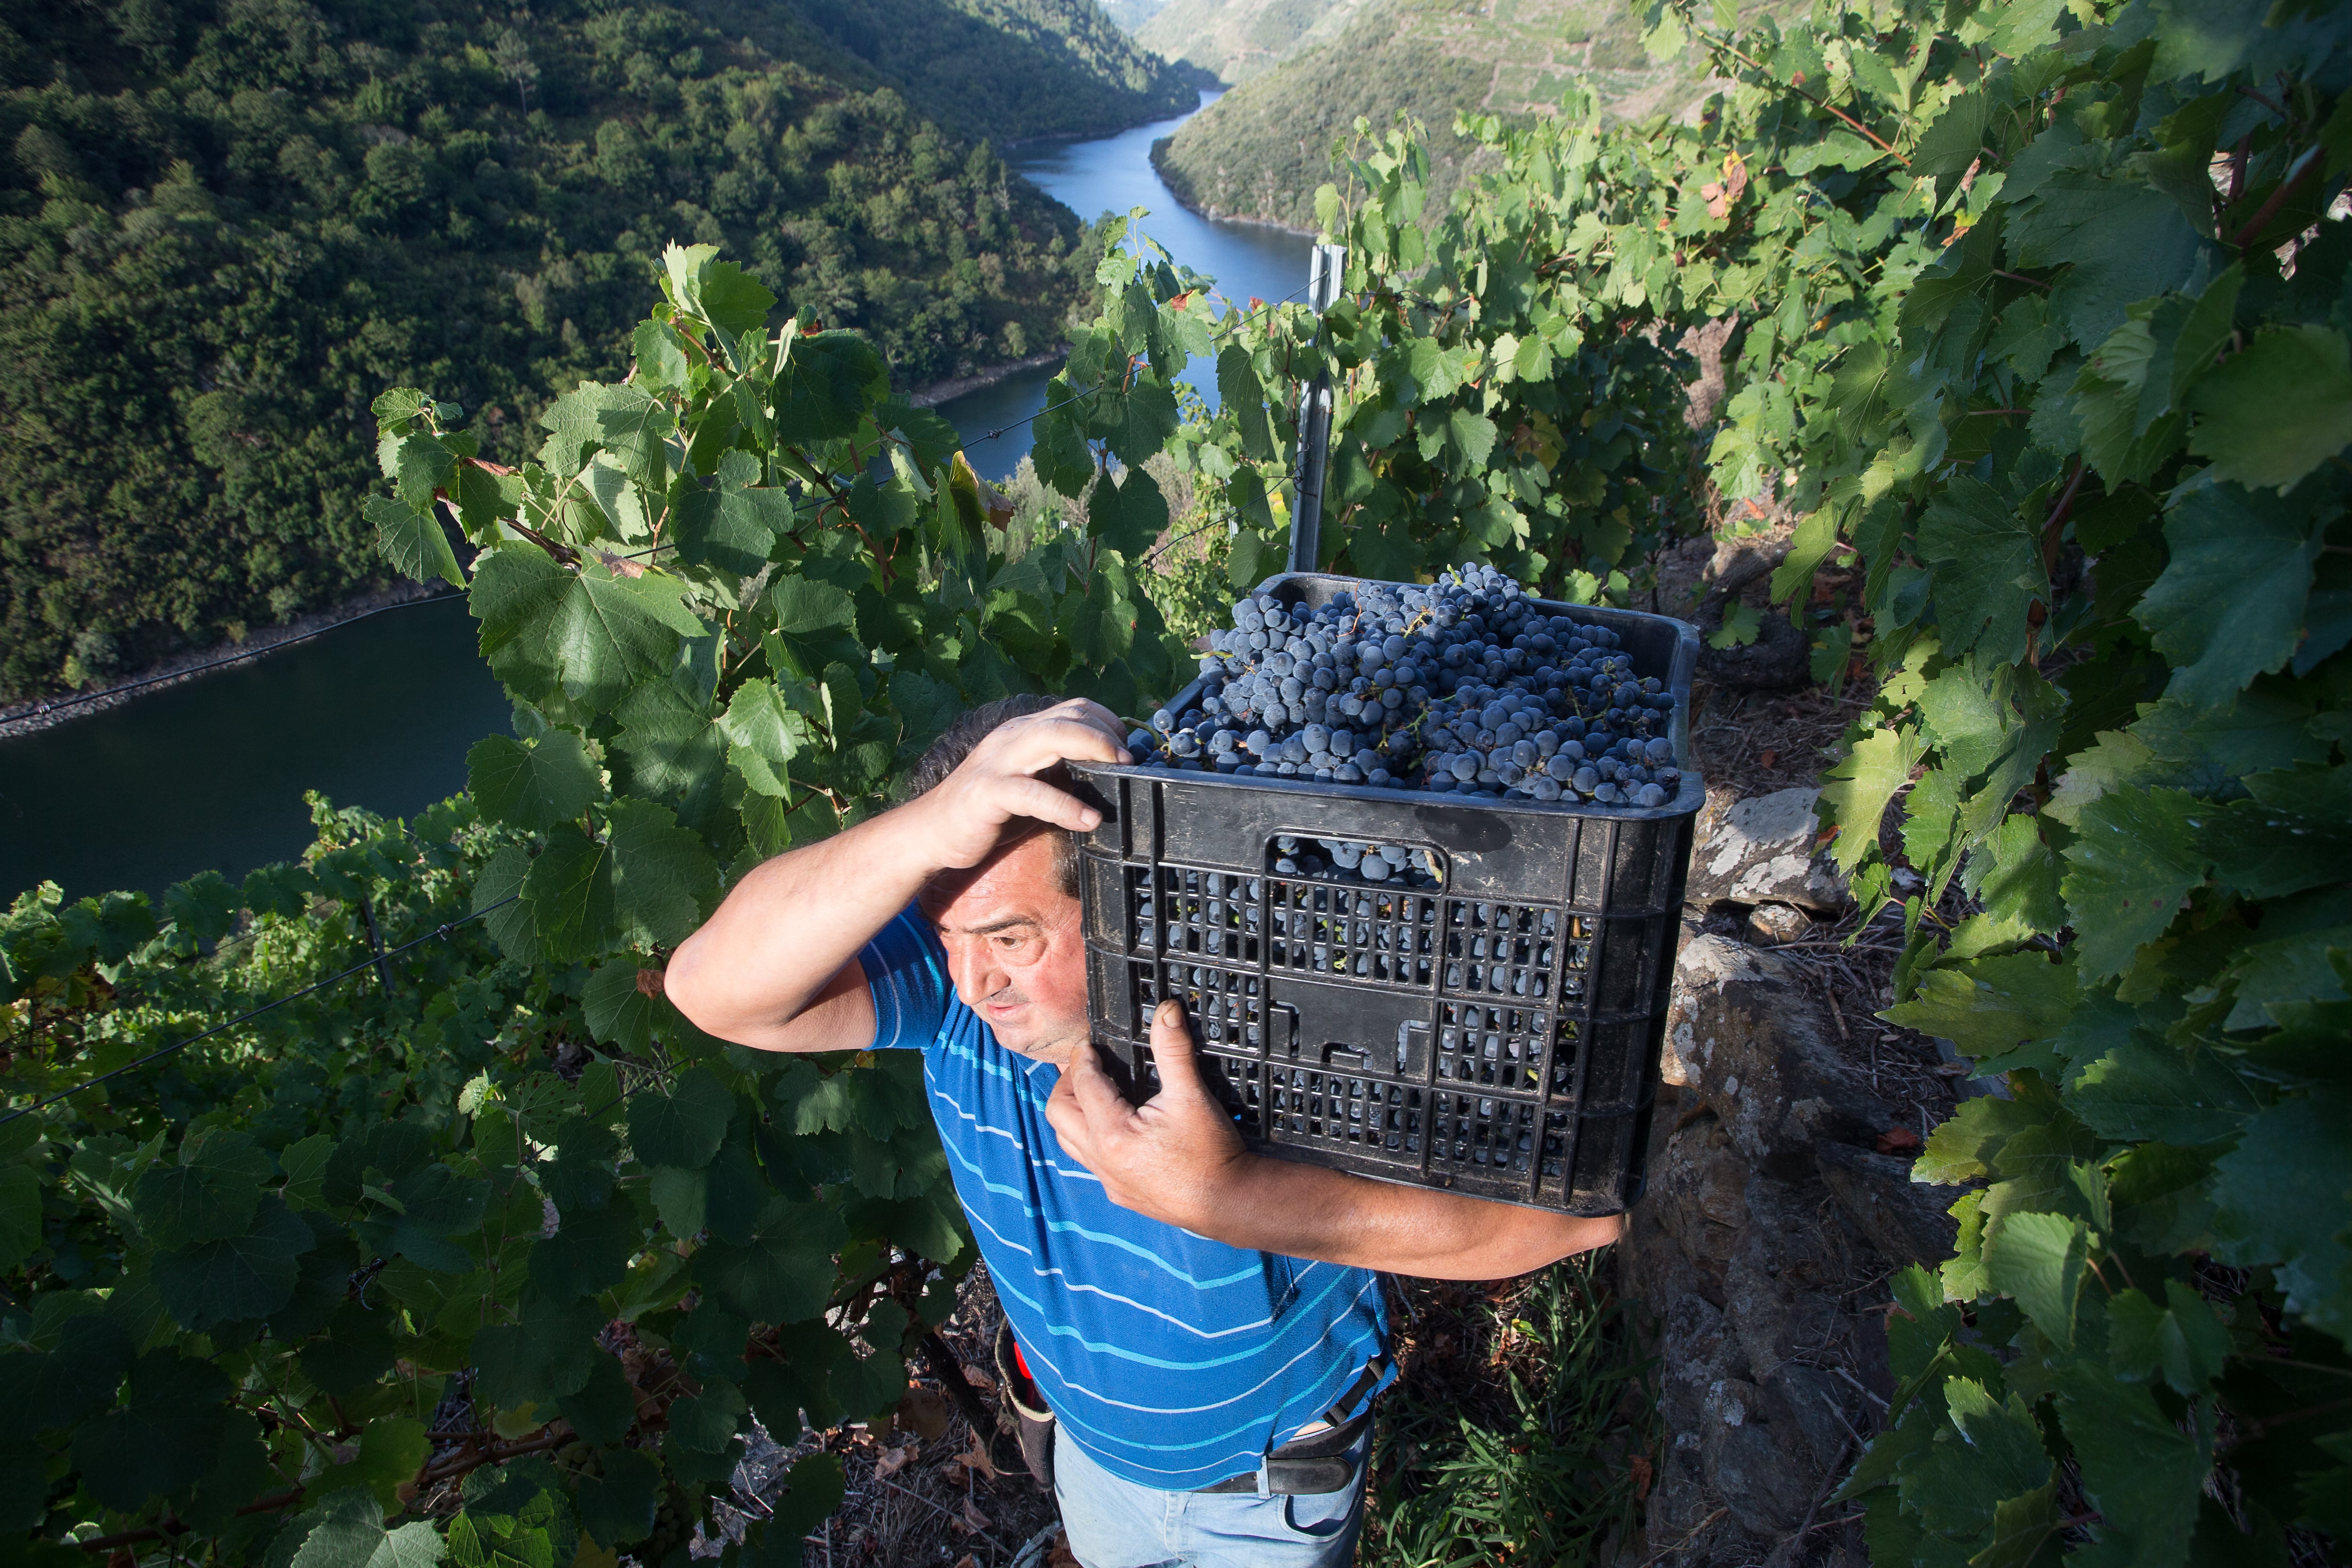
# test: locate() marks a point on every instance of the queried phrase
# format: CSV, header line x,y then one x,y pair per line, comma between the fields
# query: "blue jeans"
x,y
1115,1523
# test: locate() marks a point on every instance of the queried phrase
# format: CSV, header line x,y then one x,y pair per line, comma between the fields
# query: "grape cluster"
x,y
1463,686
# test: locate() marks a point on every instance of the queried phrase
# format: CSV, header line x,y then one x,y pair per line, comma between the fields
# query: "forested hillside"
x,y
223,222
1238,40
1010,68
1259,151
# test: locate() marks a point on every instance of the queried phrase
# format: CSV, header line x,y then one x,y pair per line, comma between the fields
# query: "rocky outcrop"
x,y
1760,851
1759,1258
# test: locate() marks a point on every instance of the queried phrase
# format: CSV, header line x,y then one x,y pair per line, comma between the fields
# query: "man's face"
x,y
1014,948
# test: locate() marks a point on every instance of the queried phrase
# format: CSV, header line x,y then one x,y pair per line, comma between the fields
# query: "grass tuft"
x,y
1521,1429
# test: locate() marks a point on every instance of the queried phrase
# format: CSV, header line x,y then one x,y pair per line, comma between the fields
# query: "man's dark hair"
x,y
956,743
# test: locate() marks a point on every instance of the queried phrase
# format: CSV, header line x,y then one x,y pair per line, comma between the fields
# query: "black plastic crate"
x,y
1498,1033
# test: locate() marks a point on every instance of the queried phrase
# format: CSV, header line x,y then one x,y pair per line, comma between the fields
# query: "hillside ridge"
x,y
1260,151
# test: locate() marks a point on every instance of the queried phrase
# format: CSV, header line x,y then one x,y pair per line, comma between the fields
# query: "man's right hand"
x,y
964,816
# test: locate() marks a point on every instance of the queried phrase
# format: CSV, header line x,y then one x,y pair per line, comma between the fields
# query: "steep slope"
x,y
1239,39
1260,151
223,229
1008,69
1131,14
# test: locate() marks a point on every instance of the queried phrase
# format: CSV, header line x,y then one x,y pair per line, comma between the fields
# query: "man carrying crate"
x,y
1204,1323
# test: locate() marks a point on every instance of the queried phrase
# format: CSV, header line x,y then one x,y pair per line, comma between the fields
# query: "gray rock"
x,y
1689,1223
1760,850
1759,1050
1905,1220
1771,925
1747,1464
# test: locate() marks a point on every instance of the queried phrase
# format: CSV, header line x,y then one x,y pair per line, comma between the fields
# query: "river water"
x,y
380,713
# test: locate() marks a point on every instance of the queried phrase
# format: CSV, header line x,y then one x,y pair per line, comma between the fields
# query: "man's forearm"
x,y
1305,1211
792,924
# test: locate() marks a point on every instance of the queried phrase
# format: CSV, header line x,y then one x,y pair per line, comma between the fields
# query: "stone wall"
x,y
1761,1256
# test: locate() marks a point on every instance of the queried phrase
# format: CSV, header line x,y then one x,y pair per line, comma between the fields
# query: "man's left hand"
x,y
1176,1157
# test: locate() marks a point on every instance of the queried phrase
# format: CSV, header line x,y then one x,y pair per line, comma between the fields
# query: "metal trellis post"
x,y
1325,264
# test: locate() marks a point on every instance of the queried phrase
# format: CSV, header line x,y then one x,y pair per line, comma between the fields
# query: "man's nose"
x,y
976,975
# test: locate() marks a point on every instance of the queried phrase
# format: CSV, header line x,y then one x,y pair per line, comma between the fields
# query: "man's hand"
x,y
1176,1157
965,815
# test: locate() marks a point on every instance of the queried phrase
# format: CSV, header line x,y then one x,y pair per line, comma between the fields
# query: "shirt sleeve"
x,y
906,971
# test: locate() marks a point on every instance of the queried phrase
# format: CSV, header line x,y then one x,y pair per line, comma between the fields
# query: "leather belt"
x,y
1306,1466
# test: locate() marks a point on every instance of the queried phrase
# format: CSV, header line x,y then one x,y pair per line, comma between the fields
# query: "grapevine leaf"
x,y
2119,241
763,735
733,524
2027,1531
617,1507
1987,573
204,909
235,1277
684,1128
826,383
2137,856
706,1422
2296,833
412,539
209,1195
546,1352
532,785
635,428
720,293
785,1272
2271,976
670,747
162,1437
682,1199
1990,1008
392,1450
2038,1259
1857,789
2139,1470
1993,1450
2146,1090
78,1378
1126,514
2182,1340
1952,142
1239,390
575,423
605,1407
709,1342
2281,1196
2271,414
665,882
814,1488
619,1011
345,1529
24,1487
2014,874
928,707
20,1216
589,1252
569,892
661,356
426,1207
591,633
807,609
2230,603
513,926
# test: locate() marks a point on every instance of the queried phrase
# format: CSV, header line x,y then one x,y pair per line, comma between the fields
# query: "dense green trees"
x,y
1005,67
222,226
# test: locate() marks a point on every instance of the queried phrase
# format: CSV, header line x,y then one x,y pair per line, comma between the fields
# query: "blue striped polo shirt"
x,y
1173,1360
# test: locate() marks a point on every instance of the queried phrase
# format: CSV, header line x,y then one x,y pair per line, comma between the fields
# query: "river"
x,y
380,712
